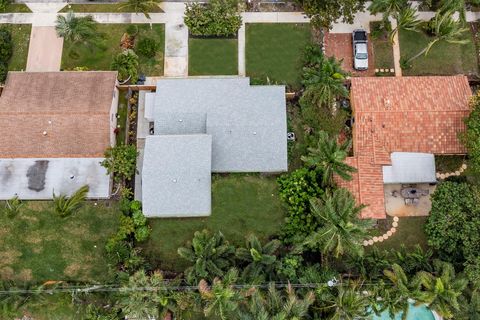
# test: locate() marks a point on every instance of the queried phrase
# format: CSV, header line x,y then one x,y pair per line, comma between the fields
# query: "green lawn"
x,y
443,59
101,7
21,39
212,57
382,49
241,204
17,7
410,232
275,51
101,58
37,245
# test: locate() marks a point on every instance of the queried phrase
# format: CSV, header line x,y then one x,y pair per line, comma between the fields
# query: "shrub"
x,y
121,161
3,72
471,137
216,18
126,63
13,206
296,189
453,226
65,206
3,5
6,45
132,30
147,47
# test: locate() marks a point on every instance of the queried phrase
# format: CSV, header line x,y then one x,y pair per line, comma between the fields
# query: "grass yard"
x,y
410,232
37,245
241,204
122,119
275,50
100,58
212,57
382,49
21,40
17,7
101,7
443,59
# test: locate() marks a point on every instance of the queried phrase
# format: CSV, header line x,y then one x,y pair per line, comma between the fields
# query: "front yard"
x,y
443,59
101,58
382,47
38,245
212,57
21,40
275,51
241,204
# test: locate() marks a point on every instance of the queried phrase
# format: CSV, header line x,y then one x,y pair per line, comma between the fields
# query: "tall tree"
x,y
387,7
442,289
341,230
444,28
77,30
407,19
260,259
139,6
324,13
211,256
344,302
329,156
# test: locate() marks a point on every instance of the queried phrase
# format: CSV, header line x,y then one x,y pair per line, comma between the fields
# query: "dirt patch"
x,y
37,250
72,269
8,257
6,273
25,275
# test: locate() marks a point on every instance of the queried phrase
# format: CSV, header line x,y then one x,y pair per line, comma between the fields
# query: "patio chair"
x,y
408,201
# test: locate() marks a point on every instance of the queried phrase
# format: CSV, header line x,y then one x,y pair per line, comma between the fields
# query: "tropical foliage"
x,y
77,30
324,14
218,18
126,63
65,206
121,161
471,137
259,259
139,6
6,50
13,206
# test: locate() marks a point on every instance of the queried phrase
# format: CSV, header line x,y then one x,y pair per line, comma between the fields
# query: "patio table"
x,y
411,193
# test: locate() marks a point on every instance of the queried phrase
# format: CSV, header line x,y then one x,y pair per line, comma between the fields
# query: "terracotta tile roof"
x,y
402,114
72,107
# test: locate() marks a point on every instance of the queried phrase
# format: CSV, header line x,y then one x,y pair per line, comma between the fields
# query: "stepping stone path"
x,y
385,236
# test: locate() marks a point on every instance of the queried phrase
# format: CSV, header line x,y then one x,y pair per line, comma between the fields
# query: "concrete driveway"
x,y
45,50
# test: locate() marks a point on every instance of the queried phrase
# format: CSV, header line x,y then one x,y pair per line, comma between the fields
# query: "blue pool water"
x,y
414,313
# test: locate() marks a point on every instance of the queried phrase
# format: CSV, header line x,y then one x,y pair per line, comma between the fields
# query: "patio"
x,y
396,206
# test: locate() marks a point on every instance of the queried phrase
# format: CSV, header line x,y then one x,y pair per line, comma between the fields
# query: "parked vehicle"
x,y
360,49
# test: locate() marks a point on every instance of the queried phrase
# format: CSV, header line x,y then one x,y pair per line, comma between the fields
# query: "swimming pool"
x,y
420,312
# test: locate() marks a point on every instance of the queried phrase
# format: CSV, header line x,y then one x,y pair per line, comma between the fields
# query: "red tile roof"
x,y
73,108
402,114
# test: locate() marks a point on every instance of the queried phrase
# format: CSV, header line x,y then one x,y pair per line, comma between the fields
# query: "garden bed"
x,y
241,204
274,51
101,58
38,245
21,40
443,59
212,56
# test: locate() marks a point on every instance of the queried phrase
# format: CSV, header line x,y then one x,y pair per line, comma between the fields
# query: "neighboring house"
x,y
56,127
400,123
205,125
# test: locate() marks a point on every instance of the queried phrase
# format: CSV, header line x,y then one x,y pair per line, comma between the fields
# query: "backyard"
x,y
38,245
212,57
275,51
21,39
100,57
241,204
443,59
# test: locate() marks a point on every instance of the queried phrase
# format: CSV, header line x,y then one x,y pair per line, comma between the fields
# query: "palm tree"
x,y
414,260
221,299
65,206
344,302
370,265
13,206
387,7
444,29
407,19
323,79
459,6
341,231
276,305
442,289
211,256
146,297
398,289
139,6
260,258
77,30
329,156
469,305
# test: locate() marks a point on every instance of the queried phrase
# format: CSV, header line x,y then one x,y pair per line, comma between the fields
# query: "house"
x,y
56,127
400,123
205,125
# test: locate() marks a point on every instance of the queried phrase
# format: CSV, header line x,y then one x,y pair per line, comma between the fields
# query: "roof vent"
x,y
180,120
174,180
44,133
254,133
387,103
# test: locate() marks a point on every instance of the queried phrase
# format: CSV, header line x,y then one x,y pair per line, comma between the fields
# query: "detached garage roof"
x,y
176,175
56,114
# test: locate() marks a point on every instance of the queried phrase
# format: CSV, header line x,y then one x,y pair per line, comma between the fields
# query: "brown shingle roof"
x,y
72,107
402,114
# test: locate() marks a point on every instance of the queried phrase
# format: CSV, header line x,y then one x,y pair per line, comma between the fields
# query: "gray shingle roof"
x,y
176,176
247,123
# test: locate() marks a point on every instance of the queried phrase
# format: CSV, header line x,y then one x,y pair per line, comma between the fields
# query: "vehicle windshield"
x,y
361,55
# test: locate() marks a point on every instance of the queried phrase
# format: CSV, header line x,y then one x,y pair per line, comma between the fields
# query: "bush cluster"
x,y
216,18
147,47
6,50
296,190
126,63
